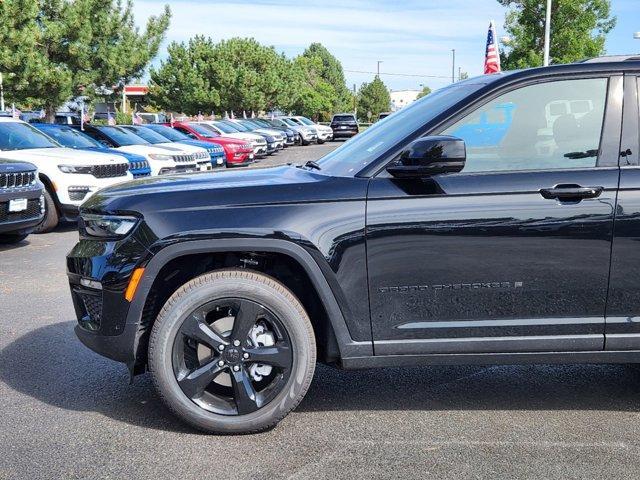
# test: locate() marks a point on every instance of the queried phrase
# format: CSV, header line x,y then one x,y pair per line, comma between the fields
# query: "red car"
x,y
237,151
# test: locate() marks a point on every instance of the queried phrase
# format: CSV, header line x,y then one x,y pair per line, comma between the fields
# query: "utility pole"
x,y
379,62
547,33
355,101
1,94
453,65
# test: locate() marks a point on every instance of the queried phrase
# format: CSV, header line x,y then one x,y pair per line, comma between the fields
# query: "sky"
x,y
413,39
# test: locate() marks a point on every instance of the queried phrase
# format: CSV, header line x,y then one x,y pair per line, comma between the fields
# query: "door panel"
x,y
482,261
623,306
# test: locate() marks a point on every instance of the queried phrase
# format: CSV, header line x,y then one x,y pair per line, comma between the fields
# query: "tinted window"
x,y
304,120
343,118
122,136
203,130
70,137
148,134
358,152
20,136
538,127
169,133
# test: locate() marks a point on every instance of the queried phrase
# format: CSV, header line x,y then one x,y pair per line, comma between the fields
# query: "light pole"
x,y
379,62
453,65
547,33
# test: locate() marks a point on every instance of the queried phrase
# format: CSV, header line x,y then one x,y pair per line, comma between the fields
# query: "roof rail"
x,y
612,58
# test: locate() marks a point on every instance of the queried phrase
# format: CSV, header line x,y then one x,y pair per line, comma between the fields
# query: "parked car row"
x,y
48,170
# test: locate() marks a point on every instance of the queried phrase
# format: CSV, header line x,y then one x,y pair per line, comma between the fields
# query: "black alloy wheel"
x,y
232,351
219,369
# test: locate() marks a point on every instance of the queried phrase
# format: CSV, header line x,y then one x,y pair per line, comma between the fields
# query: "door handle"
x,y
571,192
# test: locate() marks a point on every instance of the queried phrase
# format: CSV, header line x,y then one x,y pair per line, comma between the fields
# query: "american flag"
x,y
492,57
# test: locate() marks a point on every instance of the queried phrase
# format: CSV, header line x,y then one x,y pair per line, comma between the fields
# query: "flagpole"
x,y
547,33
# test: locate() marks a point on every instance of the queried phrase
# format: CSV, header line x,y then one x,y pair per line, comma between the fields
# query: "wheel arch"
x,y
49,186
337,342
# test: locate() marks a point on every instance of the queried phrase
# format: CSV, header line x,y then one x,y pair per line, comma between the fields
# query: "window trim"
x,y
609,151
631,121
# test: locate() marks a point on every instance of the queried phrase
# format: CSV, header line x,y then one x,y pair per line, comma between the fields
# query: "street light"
x,y
379,62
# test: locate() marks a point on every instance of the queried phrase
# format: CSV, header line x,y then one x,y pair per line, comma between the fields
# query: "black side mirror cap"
x,y
429,156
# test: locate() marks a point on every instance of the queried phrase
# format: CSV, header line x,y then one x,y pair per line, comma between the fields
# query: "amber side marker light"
x,y
133,284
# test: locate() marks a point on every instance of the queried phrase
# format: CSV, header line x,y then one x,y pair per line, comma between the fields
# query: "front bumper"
x,y
101,307
325,136
24,220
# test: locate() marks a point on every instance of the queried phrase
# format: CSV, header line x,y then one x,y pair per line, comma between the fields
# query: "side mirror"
x,y
430,156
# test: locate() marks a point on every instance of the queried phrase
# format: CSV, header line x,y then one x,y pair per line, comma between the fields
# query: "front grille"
x,y
90,304
184,158
201,155
110,170
32,211
17,179
139,165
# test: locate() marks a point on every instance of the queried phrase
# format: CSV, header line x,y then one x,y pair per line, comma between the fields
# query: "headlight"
x,y
160,156
106,227
86,170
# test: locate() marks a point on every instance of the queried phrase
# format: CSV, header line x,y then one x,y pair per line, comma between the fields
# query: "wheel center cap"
x,y
232,355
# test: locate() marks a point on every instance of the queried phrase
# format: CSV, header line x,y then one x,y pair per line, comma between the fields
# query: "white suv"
x,y
325,132
70,176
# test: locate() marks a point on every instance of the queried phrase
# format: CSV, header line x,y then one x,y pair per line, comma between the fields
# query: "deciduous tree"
x,y
373,98
578,30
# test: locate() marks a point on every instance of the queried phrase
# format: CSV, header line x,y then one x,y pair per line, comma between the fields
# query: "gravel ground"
x,y
67,413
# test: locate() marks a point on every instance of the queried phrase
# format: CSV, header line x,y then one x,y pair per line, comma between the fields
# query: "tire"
x,y
51,217
170,347
320,142
11,238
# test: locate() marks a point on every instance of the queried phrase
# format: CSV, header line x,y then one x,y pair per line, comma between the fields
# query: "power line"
x,y
400,74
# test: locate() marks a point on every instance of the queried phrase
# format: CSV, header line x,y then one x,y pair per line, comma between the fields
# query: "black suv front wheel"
x,y
232,351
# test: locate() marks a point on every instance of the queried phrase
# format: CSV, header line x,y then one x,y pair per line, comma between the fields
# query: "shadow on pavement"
x,y
50,365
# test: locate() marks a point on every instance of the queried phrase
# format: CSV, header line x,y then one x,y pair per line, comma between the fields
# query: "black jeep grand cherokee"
x,y
494,221
21,202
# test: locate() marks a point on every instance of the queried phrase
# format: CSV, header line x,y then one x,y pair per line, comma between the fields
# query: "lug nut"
x,y
236,343
221,363
221,347
245,355
236,368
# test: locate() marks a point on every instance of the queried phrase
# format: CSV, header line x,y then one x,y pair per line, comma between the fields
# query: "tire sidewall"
x,y
209,287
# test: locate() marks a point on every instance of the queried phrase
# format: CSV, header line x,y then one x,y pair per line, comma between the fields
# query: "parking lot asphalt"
x,y
67,413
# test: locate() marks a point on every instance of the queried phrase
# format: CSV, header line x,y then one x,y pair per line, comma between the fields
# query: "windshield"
x,y
204,130
381,137
304,120
169,133
21,136
278,122
148,134
122,136
240,127
70,137
289,122
226,128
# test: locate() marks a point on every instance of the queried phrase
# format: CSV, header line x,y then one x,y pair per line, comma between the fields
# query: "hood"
x,y
180,148
246,136
131,157
66,156
157,196
144,150
208,146
269,131
13,166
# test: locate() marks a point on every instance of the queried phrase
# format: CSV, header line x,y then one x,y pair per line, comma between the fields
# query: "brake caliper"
x,y
261,337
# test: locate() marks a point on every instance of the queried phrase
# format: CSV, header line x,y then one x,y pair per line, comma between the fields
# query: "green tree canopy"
x,y
425,91
328,68
52,50
578,30
373,98
236,74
